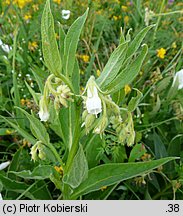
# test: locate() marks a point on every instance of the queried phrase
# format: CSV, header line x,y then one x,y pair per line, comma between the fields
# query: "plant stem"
x,y
165,14
54,151
162,192
74,147
158,21
16,97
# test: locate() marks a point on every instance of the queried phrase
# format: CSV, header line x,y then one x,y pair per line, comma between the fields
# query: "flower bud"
x,y
89,121
101,126
179,79
43,109
4,165
34,151
42,154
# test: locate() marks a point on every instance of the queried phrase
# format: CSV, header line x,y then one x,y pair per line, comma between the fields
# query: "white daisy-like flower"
x,y
179,78
66,14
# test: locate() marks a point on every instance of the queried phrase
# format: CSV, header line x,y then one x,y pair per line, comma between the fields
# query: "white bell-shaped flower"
x,y
43,112
5,47
4,165
93,101
179,78
66,14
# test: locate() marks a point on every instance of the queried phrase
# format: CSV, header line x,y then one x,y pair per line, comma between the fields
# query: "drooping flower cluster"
x,y
58,92
101,112
148,16
38,152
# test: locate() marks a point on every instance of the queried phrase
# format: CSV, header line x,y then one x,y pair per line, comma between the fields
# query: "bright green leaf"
x,y
109,174
113,65
71,42
78,171
49,44
127,75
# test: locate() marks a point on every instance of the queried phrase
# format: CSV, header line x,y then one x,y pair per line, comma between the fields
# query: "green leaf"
x,y
49,44
40,76
119,96
12,185
40,172
33,93
76,78
127,75
137,151
113,65
78,171
132,105
159,146
135,44
92,149
109,174
61,41
94,51
21,131
37,128
71,42
156,107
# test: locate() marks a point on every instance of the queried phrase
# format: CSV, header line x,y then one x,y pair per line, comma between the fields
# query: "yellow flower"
x,y
103,188
98,72
82,89
141,73
8,132
82,72
26,143
174,45
126,19
127,89
99,12
115,18
7,2
57,36
21,3
161,53
27,17
57,1
124,8
32,46
35,7
59,169
23,102
85,58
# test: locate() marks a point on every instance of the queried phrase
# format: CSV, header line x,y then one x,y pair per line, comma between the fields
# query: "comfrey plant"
x,y
77,119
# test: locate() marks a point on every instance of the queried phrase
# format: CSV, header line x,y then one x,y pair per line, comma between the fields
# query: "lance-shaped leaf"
x,y
21,131
49,44
71,42
109,174
132,105
135,44
113,65
37,128
128,74
78,171
40,172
